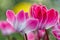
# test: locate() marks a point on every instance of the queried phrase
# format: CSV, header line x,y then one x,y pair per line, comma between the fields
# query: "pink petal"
x,y
56,31
36,12
56,34
31,25
20,16
52,18
32,9
44,12
6,28
10,15
26,15
31,36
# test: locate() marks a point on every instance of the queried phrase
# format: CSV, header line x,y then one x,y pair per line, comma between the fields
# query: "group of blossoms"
x,y
34,26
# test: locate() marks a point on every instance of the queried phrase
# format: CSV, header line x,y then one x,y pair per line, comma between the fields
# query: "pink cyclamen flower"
x,y
20,22
47,18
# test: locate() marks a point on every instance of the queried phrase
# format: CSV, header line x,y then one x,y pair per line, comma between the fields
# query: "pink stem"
x,y
38,36
46,37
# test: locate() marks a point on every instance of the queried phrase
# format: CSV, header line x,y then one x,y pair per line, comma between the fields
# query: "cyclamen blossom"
x,y
47,18
19,22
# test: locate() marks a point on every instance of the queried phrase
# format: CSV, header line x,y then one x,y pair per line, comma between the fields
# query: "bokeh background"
x,y
17,5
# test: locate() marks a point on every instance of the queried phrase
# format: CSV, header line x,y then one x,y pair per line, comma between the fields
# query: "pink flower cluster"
x,y
35,25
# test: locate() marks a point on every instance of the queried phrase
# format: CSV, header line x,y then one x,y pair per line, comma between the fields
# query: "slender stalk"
x,y
9,37
46,37
13,38
25,36
38,36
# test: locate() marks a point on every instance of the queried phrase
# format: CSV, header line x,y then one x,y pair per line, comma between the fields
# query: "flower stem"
x,y
25,36
9,37
46,37
38,36
13,38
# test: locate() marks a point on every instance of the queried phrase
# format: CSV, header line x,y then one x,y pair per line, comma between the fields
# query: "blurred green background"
x,y
17,5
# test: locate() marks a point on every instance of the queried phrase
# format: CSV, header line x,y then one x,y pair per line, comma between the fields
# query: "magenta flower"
x,y
20,22
39,11
47,19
